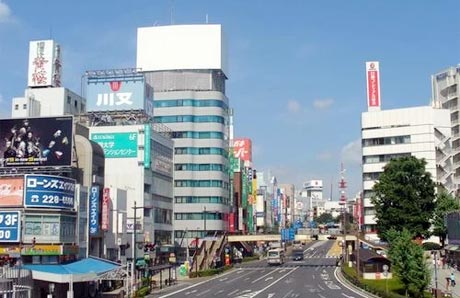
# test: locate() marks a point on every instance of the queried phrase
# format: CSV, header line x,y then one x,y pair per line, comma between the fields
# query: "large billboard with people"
x,y
36,142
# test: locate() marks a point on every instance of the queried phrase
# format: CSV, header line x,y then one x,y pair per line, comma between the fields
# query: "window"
x,y
16,107
24,106
69,99
386,141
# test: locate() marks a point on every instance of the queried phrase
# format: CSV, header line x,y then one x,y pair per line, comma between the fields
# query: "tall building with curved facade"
x,y
446,91
186,65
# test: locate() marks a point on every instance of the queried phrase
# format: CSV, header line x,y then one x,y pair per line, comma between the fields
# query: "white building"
x,y
446,91
311,197
186,66
423,132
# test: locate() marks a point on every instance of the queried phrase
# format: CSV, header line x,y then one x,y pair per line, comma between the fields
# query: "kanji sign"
x,y
105,209
373,84
117,144
242,149
45,191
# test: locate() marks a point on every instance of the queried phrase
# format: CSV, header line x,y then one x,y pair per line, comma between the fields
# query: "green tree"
x,y
404,197
444,204
324,218
408,263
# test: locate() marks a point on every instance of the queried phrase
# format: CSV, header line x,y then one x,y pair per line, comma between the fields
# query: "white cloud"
x,y
294,106
5,12
323,104
351,153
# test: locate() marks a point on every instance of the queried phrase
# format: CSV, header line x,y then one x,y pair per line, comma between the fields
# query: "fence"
x,y
15,282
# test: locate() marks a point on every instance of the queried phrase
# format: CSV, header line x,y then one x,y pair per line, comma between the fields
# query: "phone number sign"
x,y
45,191
10,226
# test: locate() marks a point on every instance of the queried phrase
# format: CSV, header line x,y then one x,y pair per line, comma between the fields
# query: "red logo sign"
x,y
115,85
373,88
105,209
242,149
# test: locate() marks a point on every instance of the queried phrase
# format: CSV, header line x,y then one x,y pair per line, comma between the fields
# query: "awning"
x,y
452,247
79,271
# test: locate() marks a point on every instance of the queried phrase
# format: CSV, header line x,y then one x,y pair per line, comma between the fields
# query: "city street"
x,y
312,277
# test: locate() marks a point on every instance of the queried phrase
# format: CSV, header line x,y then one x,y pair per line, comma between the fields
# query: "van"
x,y
275,256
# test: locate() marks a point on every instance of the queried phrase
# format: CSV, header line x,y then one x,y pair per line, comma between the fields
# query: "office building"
x,y
186,66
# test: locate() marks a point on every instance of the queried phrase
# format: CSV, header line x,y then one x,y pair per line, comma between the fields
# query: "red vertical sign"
x,y
242,149
373,84
105,209
231,222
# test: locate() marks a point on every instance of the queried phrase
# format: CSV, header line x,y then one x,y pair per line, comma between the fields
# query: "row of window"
x,y
202,200
200,167
383,158
179,234
189,103
201,183
198,216
197,135
201,151
371,176
386,141
162,216
189,118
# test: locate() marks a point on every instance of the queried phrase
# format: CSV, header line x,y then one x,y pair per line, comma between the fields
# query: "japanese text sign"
x,y
117,144
94,210
242,149
45,191
10,226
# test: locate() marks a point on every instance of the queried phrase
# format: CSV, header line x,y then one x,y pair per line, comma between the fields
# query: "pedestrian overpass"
x,y
277,237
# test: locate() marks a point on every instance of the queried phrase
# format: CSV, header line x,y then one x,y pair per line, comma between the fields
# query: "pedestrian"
x,y
447,283
452,279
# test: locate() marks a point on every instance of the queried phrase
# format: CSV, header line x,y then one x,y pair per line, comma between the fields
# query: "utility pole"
x,y
343,202
135,246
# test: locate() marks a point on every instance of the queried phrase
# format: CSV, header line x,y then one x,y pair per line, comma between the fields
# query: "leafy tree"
x,y
324,218
444,204
408,263
404,197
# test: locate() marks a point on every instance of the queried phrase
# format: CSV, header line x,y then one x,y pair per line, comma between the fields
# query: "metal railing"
x,y
15,282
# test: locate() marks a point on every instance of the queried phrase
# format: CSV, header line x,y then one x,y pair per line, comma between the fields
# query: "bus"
x,y
275,256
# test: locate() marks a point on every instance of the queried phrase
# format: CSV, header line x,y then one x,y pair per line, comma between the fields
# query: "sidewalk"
x,y
442,274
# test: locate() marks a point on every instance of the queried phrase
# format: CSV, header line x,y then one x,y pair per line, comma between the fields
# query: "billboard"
x,y
11,191
117,144
44,64
45,191
94,210
242,149
119,93
373,84
10,226
105,209
36,142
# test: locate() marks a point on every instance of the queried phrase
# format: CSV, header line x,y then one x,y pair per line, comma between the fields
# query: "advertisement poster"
x,y
94,210
117,94
117,144
10,226
105,209
45,191
242,149
36,142
11,191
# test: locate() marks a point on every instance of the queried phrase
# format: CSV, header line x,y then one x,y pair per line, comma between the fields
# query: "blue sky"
x,y
297,68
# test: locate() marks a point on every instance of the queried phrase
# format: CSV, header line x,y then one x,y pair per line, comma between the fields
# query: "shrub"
x,y
431,246
142,292
209,272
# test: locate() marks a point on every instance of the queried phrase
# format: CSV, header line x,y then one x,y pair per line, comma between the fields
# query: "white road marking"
x,y
204,292
222,279
273,283
191,292
347,296
319,286
269,278
321,296
288,293
271,295
218,292
233,292
257,279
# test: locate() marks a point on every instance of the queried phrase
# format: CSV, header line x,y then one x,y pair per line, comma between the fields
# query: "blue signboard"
x,y
45,191
10,226
287,234
94,210
118,94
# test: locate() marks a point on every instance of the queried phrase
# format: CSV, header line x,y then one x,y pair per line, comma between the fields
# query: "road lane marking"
x,y
269,278
321,295
273,283
197,284
257,279
218,292
222,279
288,293
347,296
238,277
346,286
319,286
204,292
191,292
233,292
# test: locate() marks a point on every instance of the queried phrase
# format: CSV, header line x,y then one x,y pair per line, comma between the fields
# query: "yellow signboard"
x,y
42,250
6,250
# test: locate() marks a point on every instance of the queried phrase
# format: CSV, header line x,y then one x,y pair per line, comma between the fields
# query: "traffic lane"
x,y
319,249
236,283
309,282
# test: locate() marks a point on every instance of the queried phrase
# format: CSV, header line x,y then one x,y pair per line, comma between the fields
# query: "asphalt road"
x,y
312,277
